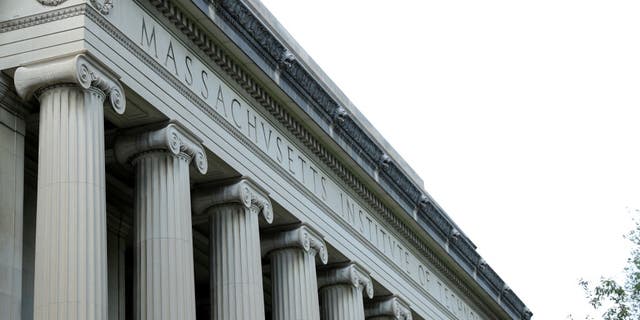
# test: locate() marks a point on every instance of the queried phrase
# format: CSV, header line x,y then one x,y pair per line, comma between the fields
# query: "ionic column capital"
x,y
351,274
301,237
170,137
79,69
390,307
241,191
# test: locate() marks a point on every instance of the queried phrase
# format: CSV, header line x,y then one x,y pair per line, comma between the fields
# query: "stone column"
x,y
388,308
71,243
293,272
164,281
118,229
11,212
236,271
341,292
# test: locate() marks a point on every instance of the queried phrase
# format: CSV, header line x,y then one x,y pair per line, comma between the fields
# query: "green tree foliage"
x,y
619,300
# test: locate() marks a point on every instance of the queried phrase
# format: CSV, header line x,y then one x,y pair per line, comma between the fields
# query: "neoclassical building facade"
x,y
186,159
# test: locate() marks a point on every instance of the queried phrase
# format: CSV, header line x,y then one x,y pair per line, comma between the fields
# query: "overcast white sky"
x,y
522,117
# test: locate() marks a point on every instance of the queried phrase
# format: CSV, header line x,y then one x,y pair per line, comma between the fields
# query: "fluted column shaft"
x,y
70,255
341,292
163,242
164,277
293,253
11,213
70,280
341,302
116,269
236,271
295,288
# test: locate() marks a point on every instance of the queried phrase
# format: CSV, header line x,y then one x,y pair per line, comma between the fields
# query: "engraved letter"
x,y
323,183
302,163
171,55
221,99
289,153
315,182
407,262
205,93
235,102
351,208
254,126
267,141
145,35
370,235
187,62
280,155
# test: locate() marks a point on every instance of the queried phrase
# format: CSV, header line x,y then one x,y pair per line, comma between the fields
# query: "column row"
x,y
71,257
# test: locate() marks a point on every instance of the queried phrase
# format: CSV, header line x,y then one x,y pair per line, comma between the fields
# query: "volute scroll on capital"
x,y
242,191
390,307
79,69
300,237
351,274
170,137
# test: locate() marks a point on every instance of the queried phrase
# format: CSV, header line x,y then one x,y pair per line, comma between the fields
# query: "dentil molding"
x,y
78,69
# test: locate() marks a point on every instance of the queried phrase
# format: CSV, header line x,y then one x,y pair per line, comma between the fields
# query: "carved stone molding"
x,y
104,6
391,307
286,59
78,69
37,19
51,3
351,274
300,237
242,191
340,115
170,137
423,201
384,161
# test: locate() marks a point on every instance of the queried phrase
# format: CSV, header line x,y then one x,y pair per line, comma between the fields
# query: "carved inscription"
x,y
202,81
455,304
